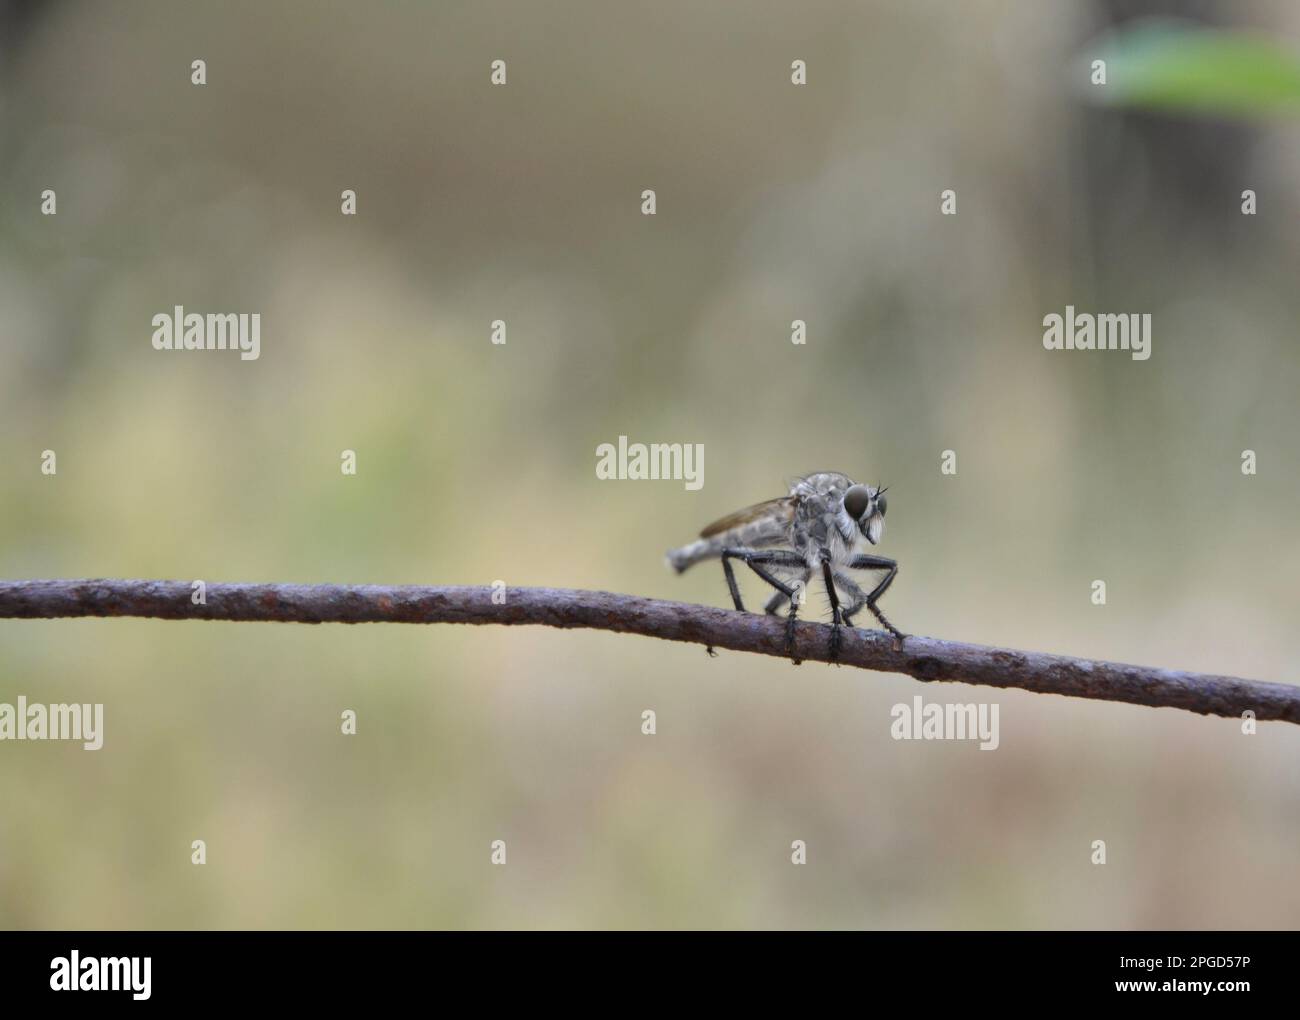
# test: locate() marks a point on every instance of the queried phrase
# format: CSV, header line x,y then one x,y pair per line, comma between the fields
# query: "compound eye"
x,y
881,503
856,501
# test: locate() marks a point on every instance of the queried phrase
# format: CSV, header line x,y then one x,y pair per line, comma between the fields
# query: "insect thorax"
x,y
820,523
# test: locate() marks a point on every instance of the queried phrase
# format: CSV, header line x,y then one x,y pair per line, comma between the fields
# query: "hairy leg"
x,y
868,562
828,577
758,560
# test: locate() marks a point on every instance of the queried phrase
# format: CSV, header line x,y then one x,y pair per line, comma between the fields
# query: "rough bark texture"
x,y
924,658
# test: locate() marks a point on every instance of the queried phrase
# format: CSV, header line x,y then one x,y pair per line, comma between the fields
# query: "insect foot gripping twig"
x,y
925,658
791,618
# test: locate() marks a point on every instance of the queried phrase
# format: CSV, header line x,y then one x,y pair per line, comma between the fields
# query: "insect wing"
x,y
778,509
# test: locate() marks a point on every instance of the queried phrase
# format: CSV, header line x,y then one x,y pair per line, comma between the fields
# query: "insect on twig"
x,y
814,531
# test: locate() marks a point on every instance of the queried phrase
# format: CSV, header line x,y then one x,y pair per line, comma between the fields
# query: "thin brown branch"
x,y
924,658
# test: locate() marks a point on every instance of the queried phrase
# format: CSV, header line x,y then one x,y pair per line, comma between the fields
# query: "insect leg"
x,y
755,558
829,579
784,592
731,581
800,585
779,599
867,562
855,593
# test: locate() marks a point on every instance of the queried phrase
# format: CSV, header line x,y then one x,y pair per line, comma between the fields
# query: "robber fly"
x,y
813,530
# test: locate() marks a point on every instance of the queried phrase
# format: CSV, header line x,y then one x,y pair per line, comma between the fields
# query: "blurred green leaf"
x,y
1174,66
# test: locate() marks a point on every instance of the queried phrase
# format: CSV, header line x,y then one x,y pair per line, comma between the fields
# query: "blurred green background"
x,y
476,462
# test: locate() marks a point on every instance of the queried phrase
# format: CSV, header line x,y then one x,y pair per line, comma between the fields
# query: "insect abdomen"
x,y
688,555
750,534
